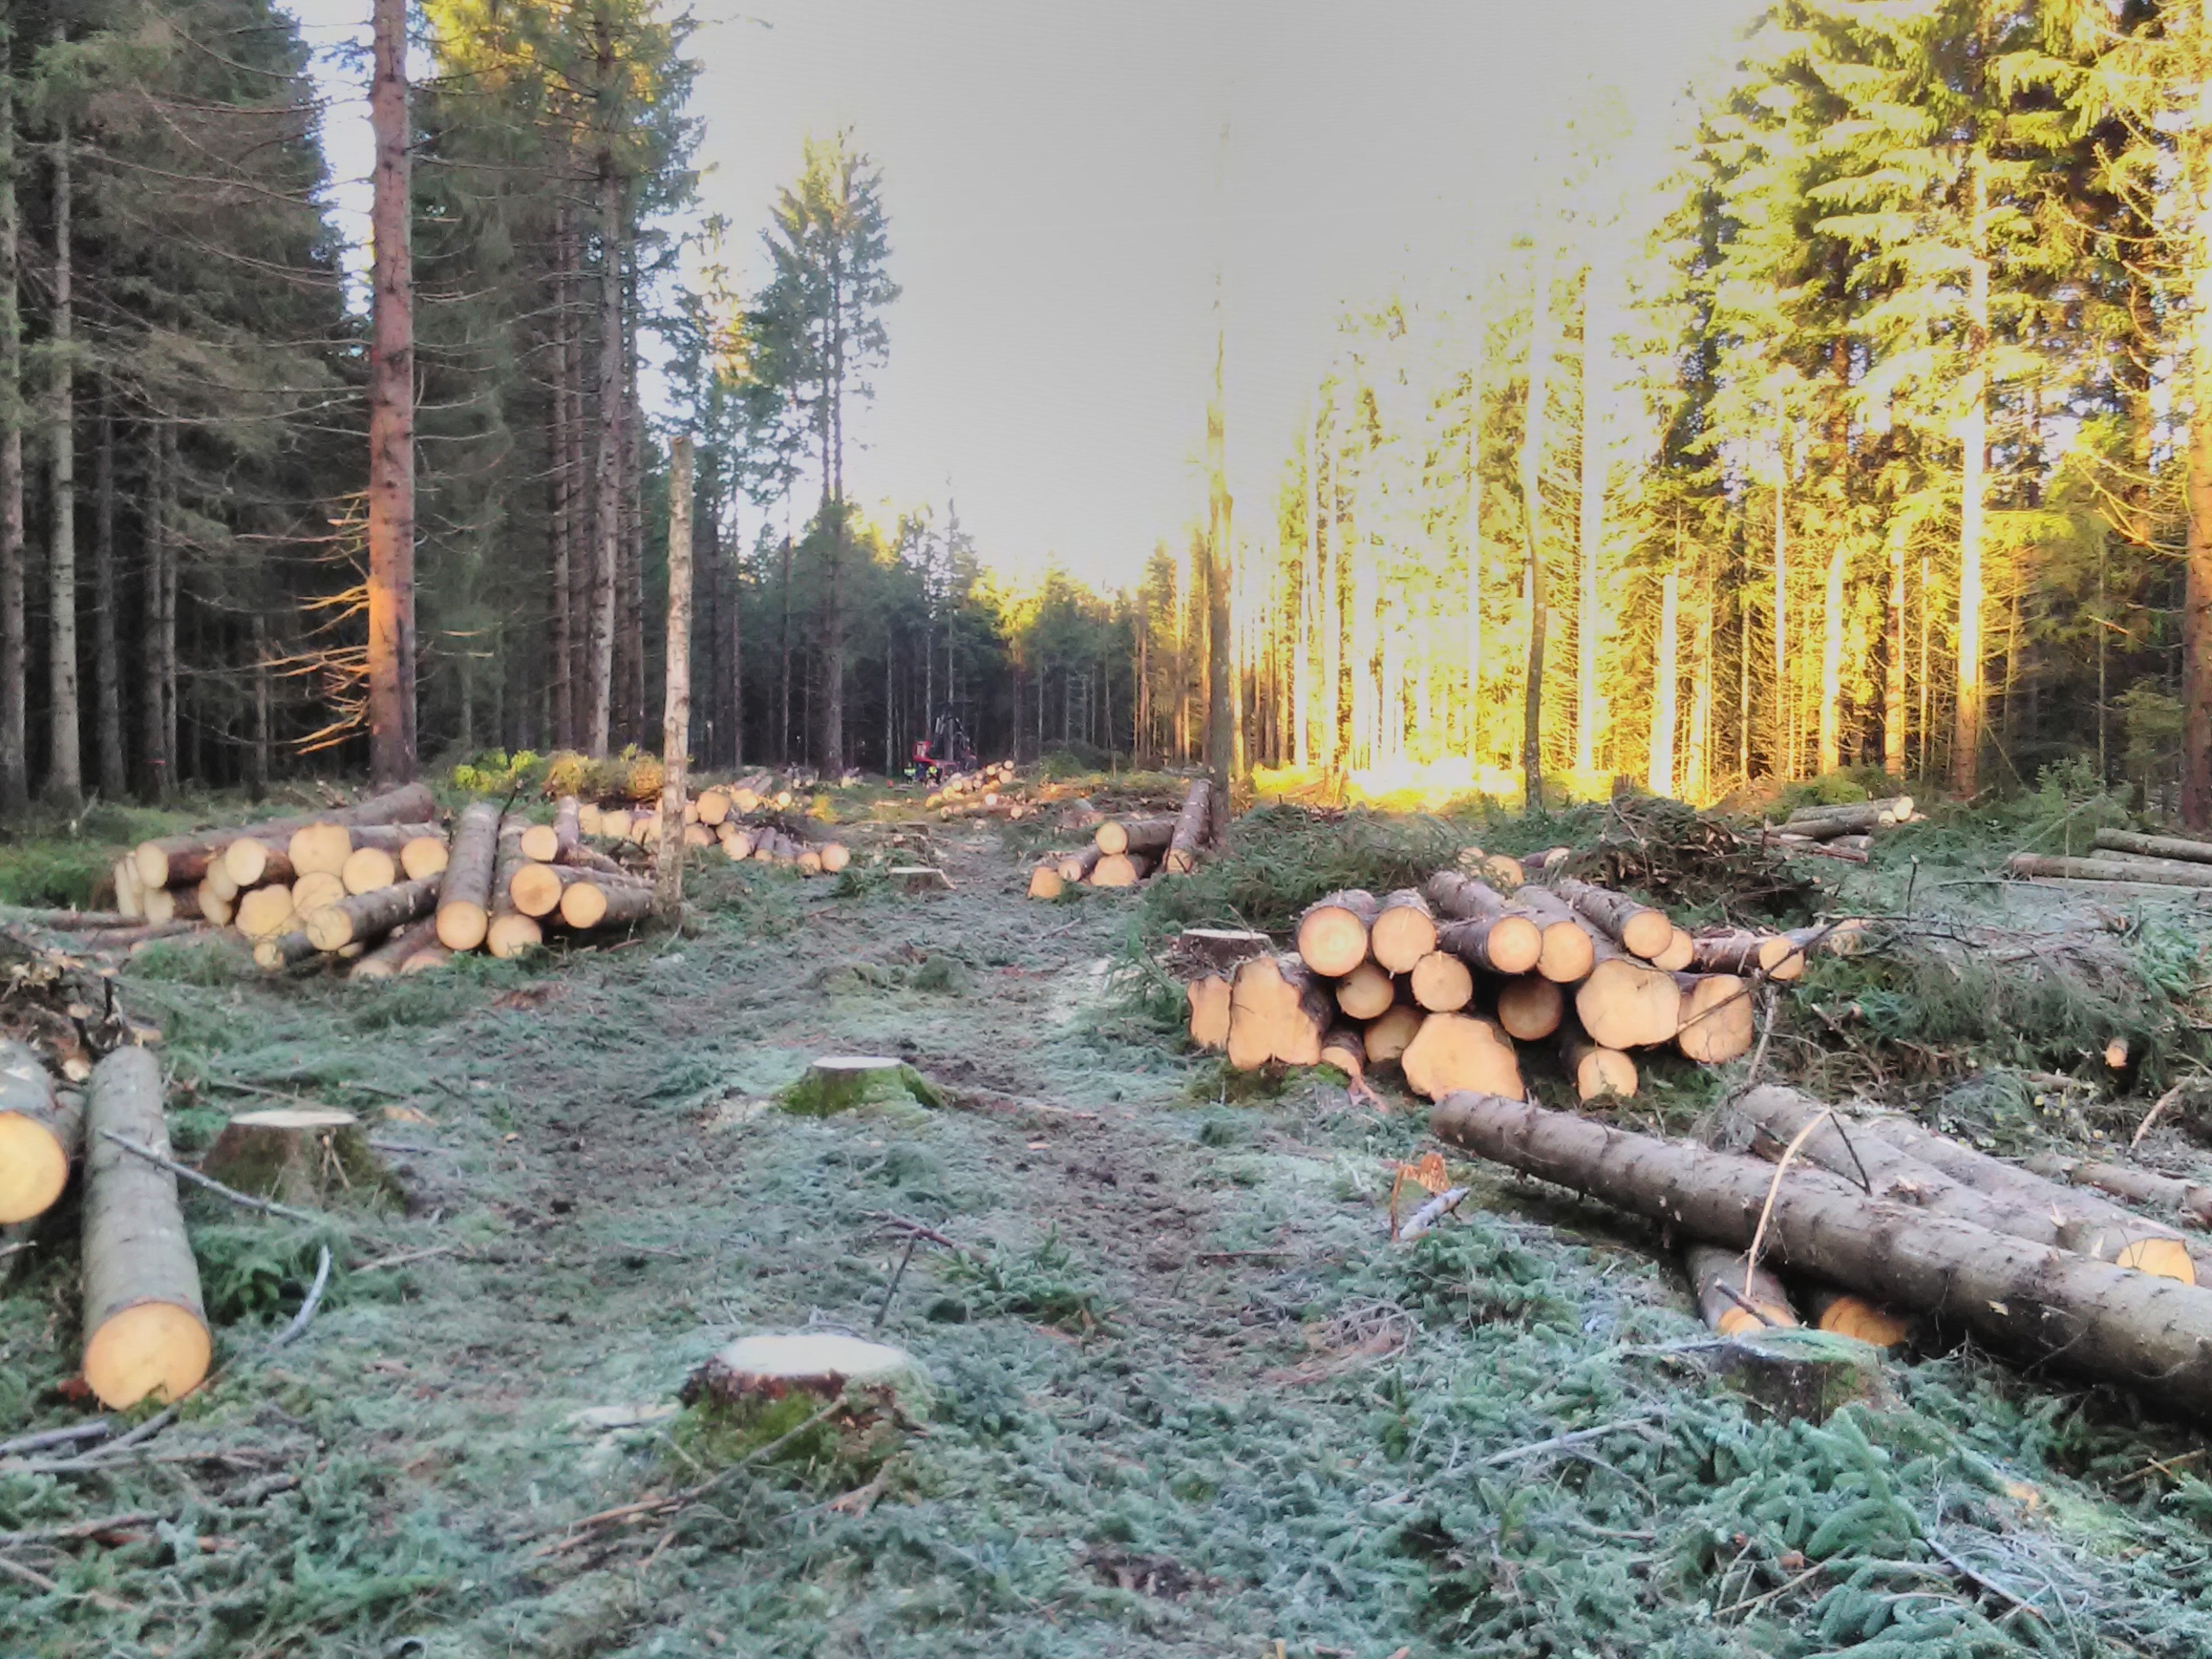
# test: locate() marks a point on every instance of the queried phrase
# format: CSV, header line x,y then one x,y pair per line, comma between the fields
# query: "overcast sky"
x,y
1061,199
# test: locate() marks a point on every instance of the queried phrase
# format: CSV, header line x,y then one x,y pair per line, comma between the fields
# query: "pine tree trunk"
x,y
1589,616
1966,713
575,464
153,730
1785,753
607,460
1331,571
1697,756
1893,689
736,608
1220,742
2196,590
564,517
65,771
391,414
676,709
1473,622
14,659
784,671
1665,675
165,502
1831,751
1532,506
107,659
258,756
633,652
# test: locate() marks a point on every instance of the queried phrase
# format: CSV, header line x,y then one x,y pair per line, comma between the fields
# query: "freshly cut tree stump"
x,y
422,856
264,913
1594,1071
1741,953
2109,869
388,959
1332,933
1637,929
1680,951
1342,1048
1135,836
1506,946
1456,1052
1278,1010
1404,931
603,902
915,879
1391,1032
1367,992
1190,832
546,842
1626,1003
2184,847
1846,1315
40,1137
1733,1298
1045,881
838,1083
178,861
1441,982
1717,1020
1209,999
367,868
1120,869
1570,947
2090,1317
370,916
296,1154
465,890
1530,1007
754,1373
145,1329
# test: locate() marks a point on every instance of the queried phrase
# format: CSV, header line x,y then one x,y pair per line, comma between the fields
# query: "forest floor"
x,y
1183,1397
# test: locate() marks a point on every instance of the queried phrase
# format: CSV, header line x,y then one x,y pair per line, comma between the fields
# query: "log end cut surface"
x,y
34,1167
820,1362
153,1350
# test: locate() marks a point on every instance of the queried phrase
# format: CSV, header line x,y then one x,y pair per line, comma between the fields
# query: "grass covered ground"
x,y
1183,1397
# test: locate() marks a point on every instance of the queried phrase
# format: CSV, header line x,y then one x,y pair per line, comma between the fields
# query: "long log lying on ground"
x,y
604,902
1151,836
1735,1298
145,1329
1404,931
1593,1069
464,891
1637,928
2185,849
1743,953
1847,818
2088,1317
1045,881
2021,865
389,959
2190,1202
177,859
1367,992
1455,1052
1332,933
1190,832
535,889
1278,1010
1120,869
1626,1003
40,1137
1077,866
365,916
2004,1198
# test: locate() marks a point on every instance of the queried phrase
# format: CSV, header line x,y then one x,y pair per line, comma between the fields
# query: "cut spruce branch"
x,y
1189,834
1332,934
145,1329
2089,1318
176,860
1403,931
40,1135
2049,867
465,890
1637,928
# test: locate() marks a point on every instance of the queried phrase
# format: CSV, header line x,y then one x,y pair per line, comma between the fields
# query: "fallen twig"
x,y
405,1256
1431,1212
95,1428
1563,1442
290,1333
184,1172
2157,1111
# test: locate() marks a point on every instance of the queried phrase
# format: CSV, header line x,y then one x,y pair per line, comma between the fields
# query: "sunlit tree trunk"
x,y
391,412
1697,755
1590,617
2196,595
1661,779
1474,597
64,770
676,701
15,662
1331,571
784,661
1927,683
1365,724
564,523
1893,676
107,657
1965,714
607,458
1785,755
1222,748
1532,462
1831,740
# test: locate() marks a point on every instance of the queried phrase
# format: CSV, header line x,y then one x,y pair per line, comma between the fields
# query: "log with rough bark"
x,y
1637,928
465,890
2047,866
1733,1297
1332,934
1403,931
1455,1052
1366,992
428,959
1077,866
176,860
2088,1317
603,902
1595,1071
1717,1021
2185,849
286,950
253,859
296,1154
1847,818
2188,1203
1209,999
145,1331
1151,836
1120,869
535,889
1390,1033
1190,832
40,1135
1278,1010
1441,982
1626,1003
546,842
1530,1006
1902,1163
365,916
173,905
1570,948
1744,953
1342,1048
389,959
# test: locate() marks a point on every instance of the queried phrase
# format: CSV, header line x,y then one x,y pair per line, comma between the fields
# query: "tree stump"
x,y
920,878
297,1155
838,1083
762,1390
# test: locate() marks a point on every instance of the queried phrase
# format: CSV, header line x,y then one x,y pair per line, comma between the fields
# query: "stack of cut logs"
x,y
1124,851
1845,831
990,788
1444,980
2120,860
717,816
1871,1225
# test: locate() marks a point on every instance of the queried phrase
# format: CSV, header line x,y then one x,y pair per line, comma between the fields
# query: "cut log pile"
x,y
748,819
1447,978
988,791
1126,851
2121,860
1844,832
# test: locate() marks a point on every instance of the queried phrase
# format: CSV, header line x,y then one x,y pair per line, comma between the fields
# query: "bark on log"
x,y
1208,1000
1733,1298
1626,1003
2185,849
1342,1048
1455,1052
367,916
429,958
465,890
1278,1010
253,860
297,1155
2021,865
1570,949
1718,1020
1441,982
1831,823
1135,836
145,1329
1530,1006
390,958
1742,953
286,950
2045,1305
40,1135
1594,1071
1390,1033
1332,933
547,843
173,905
1637,928
1189,834
1506,946
1221,947
2188,1203
1367,992
176,859
602,902
1403,931
1077,866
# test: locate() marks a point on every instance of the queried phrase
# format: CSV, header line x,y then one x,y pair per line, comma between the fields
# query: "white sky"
x,y
1061,199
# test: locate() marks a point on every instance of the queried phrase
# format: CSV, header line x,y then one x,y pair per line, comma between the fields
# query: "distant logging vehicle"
x,y
946,750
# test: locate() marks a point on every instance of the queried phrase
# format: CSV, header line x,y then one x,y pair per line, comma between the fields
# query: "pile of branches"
x,y
1679,856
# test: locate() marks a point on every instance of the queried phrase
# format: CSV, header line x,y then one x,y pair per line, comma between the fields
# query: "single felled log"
x,y
296,1154
1221,947
603,902
2188,1203
736,842
465,890
145,1331
1637,928
39,1135
1403,931
1120,869
1278,1010
1190,831
1151,836
1077,866
546,842
1390,1032
390,958
173,905
286,950
535,889
1530,1006
1332,933
1453,1052
1441,981
1594,1070
1844,1314
1717,1020
367,916
1366,992
1734,1298
1045,881
251,860
1208,1000
1680,951
2088,1317
1570,948
176,860
367,868
1507,946
1742,953
1626,1003
1847,818
2022,865
1342,1048
2186,849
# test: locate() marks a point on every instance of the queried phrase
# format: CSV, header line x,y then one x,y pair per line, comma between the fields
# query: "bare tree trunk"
x,y
1474,599
1785,753
1893,692
1664,686
736,609
1589,614
1697,756
575,464
632,650
564,482
259,756
1532,461
107,658
2196,593
154,723
675,708
391,415
784,648
606,461
1831,753
165,505
1220,739
1966,713
64,770
15,655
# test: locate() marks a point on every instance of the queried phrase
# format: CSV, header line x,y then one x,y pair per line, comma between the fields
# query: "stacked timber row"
x,y
741,820
1446,979
1844,832
2121,859
968,788
1124,852
1878,1228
